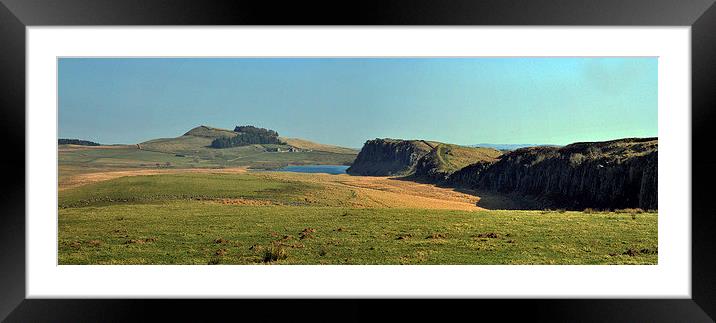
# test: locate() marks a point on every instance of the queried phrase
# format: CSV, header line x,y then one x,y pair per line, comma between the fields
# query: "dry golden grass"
x,y
384,192
338,190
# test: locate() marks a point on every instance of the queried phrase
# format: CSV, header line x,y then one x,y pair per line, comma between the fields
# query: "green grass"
x,y
120,157
158,220
451,158
191,156
186,186
182,232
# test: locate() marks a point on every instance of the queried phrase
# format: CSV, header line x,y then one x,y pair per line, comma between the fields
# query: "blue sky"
x,y
346,101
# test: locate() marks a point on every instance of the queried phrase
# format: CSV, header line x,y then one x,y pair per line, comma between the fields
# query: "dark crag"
x,y
388,157
606,175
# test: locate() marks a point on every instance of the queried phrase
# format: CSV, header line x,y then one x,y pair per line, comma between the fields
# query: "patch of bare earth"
x,y
89,178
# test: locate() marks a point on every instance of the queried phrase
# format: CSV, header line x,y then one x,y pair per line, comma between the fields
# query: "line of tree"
x,y
248,135
76,142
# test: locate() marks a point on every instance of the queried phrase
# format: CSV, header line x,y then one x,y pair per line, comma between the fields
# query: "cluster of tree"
x,y
248,135
76,142
255,130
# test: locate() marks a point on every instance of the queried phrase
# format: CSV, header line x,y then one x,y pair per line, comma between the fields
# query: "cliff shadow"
x,y
500,201
488,200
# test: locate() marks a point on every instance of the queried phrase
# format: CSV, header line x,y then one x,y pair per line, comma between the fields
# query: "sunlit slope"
x,y
445,159
193,149
309,145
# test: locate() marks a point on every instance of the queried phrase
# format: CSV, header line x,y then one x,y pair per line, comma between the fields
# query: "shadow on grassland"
x,y
488,200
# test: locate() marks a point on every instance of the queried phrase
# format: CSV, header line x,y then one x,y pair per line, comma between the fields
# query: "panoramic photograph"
x,y
357,161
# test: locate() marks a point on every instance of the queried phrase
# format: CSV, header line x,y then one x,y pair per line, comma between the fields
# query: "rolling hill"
x,y
193,149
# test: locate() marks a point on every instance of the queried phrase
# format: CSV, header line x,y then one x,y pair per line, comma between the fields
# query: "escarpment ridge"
x,y
606,175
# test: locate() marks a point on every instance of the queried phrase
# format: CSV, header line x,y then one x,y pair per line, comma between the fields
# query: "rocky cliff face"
x,y
386,157
612,174
604,175
428,167
469,176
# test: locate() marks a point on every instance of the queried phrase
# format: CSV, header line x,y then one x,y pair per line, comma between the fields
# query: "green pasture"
x,y
178,219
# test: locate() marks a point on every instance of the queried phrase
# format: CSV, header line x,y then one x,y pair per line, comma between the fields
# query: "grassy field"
x,y
131,157
288,218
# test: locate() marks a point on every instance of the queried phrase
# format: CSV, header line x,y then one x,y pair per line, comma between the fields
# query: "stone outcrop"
x,y
388,157
609,175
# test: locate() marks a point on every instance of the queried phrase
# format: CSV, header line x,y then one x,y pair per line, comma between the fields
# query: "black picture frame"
x,y
15,15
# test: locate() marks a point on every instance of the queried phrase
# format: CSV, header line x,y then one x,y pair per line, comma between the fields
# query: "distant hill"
x,y
197,143
418,158
508,146
210,132
309,145
76,142
202,137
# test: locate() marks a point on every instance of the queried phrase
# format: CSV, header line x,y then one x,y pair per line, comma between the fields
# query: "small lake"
x,y
328,169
